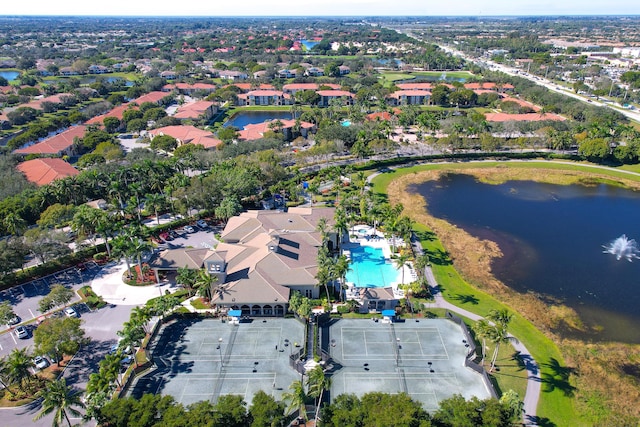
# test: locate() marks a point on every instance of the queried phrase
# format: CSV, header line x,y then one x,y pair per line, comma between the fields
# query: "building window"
x,y
308,293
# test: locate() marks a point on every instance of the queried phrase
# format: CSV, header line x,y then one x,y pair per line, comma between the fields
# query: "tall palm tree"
x,y
59,398
402,260
483,330
341,267
154,201
499,334
317,383
296,396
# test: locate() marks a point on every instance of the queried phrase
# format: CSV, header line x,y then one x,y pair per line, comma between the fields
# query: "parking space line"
x,y
13,337
33,316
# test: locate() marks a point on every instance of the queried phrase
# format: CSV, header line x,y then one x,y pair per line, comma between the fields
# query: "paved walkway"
x,y
534,380
109,285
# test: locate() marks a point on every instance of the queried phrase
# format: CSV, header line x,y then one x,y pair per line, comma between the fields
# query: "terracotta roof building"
x,y
56,145
196,110
528,117
46,170
188,135
263,257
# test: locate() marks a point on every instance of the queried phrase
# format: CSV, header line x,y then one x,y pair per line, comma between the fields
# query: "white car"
x,y
70,312
22,332
40,362
189,229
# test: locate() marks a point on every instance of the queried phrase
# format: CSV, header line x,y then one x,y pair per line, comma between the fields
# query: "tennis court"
x,y
424,359
205,358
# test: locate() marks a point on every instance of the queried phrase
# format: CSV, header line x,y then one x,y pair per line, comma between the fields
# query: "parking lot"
x,y
25,298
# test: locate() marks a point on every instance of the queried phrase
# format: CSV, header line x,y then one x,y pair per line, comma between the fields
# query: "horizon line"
x,y
560,15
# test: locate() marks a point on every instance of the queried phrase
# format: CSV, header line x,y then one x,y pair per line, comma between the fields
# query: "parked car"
x,y
22,332
173,234
202,223
189,229
40,362
71,312
14,321
124,363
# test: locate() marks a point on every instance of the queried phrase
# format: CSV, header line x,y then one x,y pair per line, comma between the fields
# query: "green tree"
x,y
265,411
58,398
58,337
58,296
229,207
230,411
46,244
164,142
13,252
56,215
6,312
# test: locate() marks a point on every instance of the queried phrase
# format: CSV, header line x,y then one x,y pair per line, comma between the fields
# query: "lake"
x,y
243,118
9,75
552,237
308,44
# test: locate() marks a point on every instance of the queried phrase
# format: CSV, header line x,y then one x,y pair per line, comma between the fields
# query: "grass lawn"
x,y
389,77
556,404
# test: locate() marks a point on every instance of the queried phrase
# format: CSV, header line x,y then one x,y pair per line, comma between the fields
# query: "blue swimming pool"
x,y
369,268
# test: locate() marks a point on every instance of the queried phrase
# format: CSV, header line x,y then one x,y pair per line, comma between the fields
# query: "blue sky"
x,y
321,7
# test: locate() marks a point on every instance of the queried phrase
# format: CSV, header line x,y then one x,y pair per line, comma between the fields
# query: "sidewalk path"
x,y
109,285
534,380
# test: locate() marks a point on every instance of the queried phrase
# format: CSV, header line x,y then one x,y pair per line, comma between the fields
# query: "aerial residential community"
x,y
319,221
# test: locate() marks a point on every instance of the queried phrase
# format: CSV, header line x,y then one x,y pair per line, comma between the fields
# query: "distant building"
x,y
46,170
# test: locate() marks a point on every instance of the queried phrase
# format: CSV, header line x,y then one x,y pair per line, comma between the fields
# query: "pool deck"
x,y
376,239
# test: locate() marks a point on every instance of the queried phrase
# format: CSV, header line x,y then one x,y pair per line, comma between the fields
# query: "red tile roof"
x,y
399,93
415,86
528,117
249,86
115,112
534,107
192,110
257,130
334,93
44,171
56,144
379,116
189,135
153,97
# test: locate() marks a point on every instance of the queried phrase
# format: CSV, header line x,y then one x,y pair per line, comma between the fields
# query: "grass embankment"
x,y
567,390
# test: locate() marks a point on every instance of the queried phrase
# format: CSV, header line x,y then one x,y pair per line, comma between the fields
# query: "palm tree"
x,y
14,223
483,330
421,262
154,201
296,398
17,364
341,267
59,398
317,383
499,334
204,282
187,278
402,260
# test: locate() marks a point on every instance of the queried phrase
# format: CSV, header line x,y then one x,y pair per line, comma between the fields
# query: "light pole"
x,y
220,350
